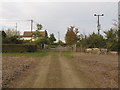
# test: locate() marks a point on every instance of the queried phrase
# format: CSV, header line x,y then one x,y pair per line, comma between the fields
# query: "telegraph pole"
x,y
31,28
31,25
58,36
98,26
16,28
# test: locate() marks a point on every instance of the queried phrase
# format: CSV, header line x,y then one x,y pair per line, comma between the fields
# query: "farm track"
x,y
57,71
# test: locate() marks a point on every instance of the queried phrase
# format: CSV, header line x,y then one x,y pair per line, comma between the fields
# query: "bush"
x,y
9,48
11,40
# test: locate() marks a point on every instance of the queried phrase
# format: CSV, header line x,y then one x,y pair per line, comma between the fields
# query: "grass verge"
x,y
34,54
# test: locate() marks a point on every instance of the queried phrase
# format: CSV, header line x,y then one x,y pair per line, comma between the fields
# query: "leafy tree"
x,y
52,38
95,41
11,37
3,35
81,36
39,27
111,39
71,35
46,34
82,41
91,41
60,42
12,40
12,32
37,35
41,40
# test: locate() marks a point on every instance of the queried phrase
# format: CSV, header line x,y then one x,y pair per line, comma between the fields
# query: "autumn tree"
x,y
71,35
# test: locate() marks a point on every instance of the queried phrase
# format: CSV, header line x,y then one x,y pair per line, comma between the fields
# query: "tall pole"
x,y
58,36
98,26
16,28
31,25
31,28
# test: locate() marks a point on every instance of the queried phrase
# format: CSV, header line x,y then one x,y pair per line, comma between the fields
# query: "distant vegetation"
x,y
71,35
12,42
10,48
108,41
68,55
11,37
33,54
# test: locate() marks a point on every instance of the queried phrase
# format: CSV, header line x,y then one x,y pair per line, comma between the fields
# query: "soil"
x,y
57,71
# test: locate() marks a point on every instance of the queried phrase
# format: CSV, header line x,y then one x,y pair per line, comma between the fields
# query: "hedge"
x,y
9,48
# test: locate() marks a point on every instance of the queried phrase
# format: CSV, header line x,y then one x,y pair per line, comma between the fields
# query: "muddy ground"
x,y
56,70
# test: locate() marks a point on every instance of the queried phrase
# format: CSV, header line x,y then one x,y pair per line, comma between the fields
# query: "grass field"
x,y
33,54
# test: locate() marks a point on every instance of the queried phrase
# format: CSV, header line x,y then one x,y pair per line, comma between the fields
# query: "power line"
x,y
18,20
13,20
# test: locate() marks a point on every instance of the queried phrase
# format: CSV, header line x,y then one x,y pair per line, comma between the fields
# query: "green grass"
x,y
33,54
68,55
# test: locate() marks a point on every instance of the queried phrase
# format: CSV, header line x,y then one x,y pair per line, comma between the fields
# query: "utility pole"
x,y
58,36
31,28
98,26
16,29
16,26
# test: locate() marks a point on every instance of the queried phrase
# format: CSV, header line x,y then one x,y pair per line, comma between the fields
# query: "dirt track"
x,y
82,71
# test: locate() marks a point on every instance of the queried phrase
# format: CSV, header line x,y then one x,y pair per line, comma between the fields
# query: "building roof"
x,y
29,33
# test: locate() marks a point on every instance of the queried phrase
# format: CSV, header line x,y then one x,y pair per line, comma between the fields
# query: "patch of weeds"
x,y
68,55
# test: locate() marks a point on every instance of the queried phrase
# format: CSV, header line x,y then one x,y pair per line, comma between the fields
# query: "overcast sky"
x,y
57,16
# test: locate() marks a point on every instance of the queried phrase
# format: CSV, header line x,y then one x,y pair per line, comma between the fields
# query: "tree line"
x,y
108,41
11,36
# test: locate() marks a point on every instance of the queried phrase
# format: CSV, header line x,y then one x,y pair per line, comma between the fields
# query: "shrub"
x,y
11,40
9,48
